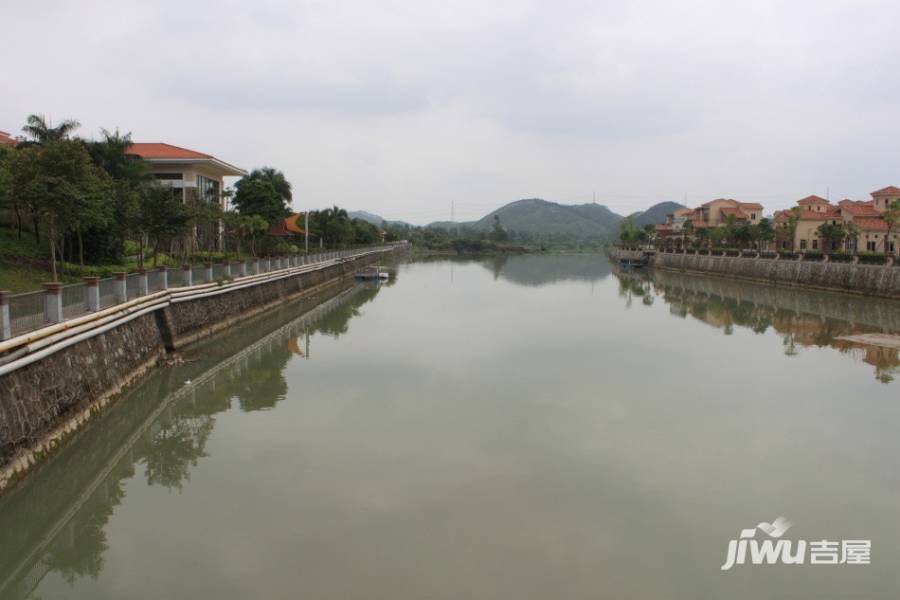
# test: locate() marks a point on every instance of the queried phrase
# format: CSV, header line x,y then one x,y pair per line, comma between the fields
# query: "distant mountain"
x,y
655,215
366,216
371,217
536,216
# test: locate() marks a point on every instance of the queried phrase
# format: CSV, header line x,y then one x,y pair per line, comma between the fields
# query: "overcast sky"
x,y
400,107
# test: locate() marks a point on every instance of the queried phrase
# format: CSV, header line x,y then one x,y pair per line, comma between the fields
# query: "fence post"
x,y
53,302
242,268
268,264
208,272
5,325
187,275
119,286
92,291
163,278
143,284
226,268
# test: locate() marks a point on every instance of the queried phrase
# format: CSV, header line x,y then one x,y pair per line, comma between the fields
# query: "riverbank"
x,y
55,379
871,280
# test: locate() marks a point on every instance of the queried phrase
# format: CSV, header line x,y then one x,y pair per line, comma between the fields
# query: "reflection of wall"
x,y
56,520
803,318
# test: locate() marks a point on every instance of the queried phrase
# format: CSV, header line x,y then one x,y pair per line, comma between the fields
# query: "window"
x,y
208,189
815,244
169,176
870,246
803,244
752,216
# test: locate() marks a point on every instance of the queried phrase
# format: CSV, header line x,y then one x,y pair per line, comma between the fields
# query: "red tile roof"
x,y
859,208
729,200
888,191
160,150
7,139
750,205
812,200
288,227
728,210
871,224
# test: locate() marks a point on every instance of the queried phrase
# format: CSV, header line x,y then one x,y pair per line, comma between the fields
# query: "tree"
x,y
763,232
42,130
256,196
59,183
891,218
629,233
163,217
833,234
851,231
7,199
788,229
278,181
716,235
498,234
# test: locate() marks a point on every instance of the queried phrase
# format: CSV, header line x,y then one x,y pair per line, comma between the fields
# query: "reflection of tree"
x,y
176,447
78,551
60,516
262,386
335,323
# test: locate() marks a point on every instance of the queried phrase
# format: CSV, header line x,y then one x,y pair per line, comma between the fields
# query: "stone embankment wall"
x,y
44,400
871,280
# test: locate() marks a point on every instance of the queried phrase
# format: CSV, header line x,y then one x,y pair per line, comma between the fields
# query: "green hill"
x,y
540,217
655,215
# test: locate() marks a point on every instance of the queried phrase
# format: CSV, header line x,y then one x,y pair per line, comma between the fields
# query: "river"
x,y
510,428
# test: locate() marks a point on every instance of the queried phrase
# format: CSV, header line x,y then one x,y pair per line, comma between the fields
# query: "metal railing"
x,y
74,300
28,311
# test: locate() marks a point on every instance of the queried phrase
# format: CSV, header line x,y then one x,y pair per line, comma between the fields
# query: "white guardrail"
x,y
24,349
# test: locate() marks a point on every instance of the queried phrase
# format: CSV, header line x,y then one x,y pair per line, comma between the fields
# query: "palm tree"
x,y
277,179
42,130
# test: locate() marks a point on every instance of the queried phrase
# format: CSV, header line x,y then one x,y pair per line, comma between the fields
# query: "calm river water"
x,y
523,428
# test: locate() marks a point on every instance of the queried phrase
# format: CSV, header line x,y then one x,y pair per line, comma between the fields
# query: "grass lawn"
x,y
17,277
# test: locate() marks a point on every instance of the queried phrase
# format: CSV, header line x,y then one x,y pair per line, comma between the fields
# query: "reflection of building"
x,y
186,170
802,319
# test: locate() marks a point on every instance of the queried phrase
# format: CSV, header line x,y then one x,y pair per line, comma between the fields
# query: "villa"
x,y
187,171
867,216
715,213
7,140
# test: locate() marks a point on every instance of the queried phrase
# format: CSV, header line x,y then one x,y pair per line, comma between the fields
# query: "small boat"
x,y
372,274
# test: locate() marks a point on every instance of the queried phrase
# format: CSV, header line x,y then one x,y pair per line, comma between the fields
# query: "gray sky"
x,y
399,107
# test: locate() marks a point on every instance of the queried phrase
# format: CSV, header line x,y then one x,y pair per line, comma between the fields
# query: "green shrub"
x,y
872,258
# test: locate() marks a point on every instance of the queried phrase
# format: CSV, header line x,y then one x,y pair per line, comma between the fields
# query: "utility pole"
x,y
306,229
453,210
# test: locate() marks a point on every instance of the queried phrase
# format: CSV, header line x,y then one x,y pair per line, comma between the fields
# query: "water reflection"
x,y
55,522
534,270
802,318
